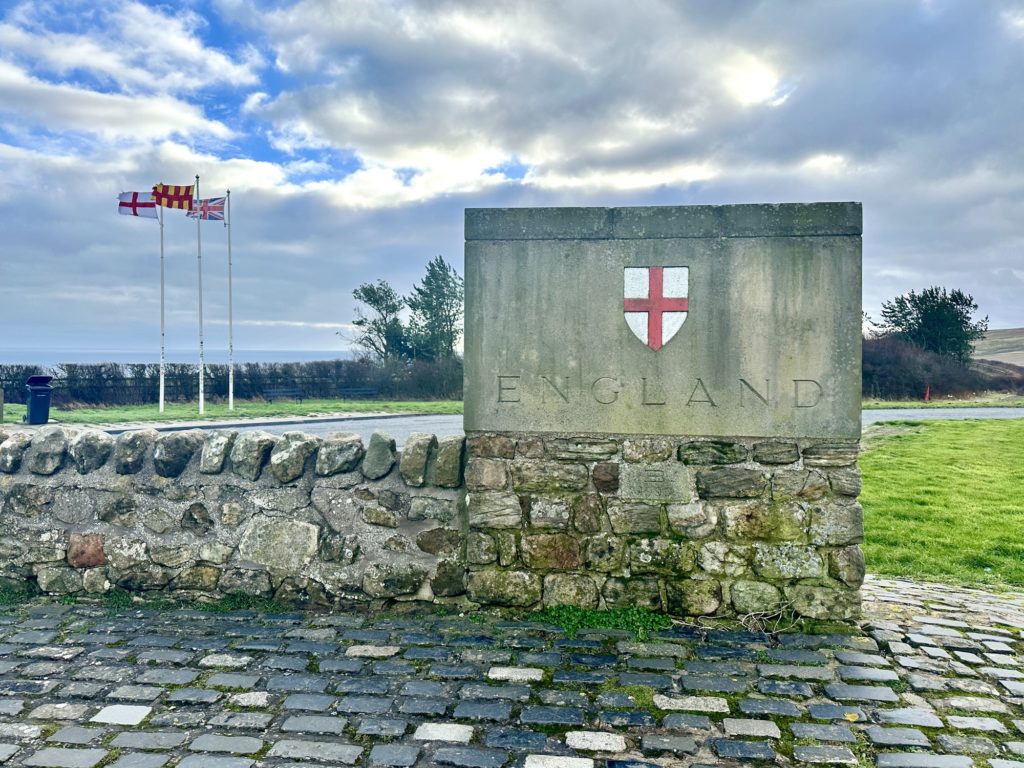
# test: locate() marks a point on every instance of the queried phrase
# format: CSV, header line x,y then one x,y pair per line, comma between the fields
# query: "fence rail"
x,y
139,384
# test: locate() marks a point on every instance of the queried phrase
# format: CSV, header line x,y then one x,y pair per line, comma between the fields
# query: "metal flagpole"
x,y
231,339
160,212
199,260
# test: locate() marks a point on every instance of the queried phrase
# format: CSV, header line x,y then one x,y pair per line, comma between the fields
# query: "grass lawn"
x,y
986,400
244,409
945,501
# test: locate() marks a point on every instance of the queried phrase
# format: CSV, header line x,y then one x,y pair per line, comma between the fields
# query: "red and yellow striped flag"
x,y
173,196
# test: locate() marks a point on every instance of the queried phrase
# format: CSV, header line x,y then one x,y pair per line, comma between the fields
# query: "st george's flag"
x,y
211,209
136,204
173,196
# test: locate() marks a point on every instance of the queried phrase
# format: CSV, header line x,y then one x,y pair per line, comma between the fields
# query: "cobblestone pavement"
x,y
934,679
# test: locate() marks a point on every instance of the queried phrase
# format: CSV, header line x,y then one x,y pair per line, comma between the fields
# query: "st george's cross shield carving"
x,y
655,302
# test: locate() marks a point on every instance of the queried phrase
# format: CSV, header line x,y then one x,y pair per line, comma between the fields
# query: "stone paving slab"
x,y
924,680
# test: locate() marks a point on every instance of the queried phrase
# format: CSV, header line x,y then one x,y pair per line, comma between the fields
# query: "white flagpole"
x,y
231,339
199,260
160,213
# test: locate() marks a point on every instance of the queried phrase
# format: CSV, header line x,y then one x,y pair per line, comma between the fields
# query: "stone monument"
x,y
662,407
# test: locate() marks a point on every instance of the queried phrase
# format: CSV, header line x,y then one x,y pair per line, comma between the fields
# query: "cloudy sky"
x,y
353,133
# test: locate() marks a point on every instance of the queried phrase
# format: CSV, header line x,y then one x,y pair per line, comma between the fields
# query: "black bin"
x,y
37,402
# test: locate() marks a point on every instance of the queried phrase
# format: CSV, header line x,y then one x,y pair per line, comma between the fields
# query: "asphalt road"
x,y
400,427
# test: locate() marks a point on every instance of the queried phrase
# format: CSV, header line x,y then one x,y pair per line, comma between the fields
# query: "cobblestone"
x,y
929,678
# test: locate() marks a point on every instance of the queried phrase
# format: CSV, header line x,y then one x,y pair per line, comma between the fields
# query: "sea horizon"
x,y
49,358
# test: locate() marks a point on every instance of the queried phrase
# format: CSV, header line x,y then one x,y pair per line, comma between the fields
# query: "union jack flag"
x,y
211,209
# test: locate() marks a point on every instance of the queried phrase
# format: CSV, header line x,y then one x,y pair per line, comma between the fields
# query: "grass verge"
x,y
986,400
640,621
943,501
244,409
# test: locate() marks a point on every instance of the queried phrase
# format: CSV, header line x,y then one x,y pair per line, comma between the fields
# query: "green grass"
x,y
640,621
943,501
244,409
986,400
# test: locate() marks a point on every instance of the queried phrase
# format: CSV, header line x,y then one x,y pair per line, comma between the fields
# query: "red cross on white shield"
x,y
655,302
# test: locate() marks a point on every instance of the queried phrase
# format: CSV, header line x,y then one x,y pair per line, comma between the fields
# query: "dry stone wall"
x,y
692,526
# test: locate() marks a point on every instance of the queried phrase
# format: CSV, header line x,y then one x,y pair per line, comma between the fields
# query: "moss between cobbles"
x,y
640,621
111,757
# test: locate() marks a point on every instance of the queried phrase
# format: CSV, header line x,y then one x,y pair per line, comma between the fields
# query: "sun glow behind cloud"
x,y
751,81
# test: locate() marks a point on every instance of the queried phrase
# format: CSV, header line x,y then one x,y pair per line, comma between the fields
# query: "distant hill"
x,y
1005,346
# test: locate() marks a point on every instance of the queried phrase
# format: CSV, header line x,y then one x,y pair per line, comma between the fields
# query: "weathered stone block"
x,y
787,561
837,523
47,450
530,476
847,565
90,449
530,448
606,477
491,447
95,581
507,543
632,517
480,548
290,454
839,454
635,591
215,451
588,513
59,580
785,521
86,550
824,602
12,450
720,558
669,481
693,597
249,453
486,475
26,499
246,581
393,579
803,484
439,541
647,450
449,580
173,451
580,448
712,452
172,557
513,588
339,452
379,516
130,449
730,482
776,452
124,554
145,577
494,509
415,454
661,556
550,512
845,482
551,552
695,520
570,589
284,545
444,469
755,597
431,508
197,519
203,578
380,456
604,553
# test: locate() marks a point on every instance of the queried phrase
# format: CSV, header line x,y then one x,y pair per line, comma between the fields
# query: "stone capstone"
x,y
12,450
339,452
249,453
47,450
289,456
90,449
415,454
512,588
174,450
445,467
279,544
130,450
380,456
216,449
